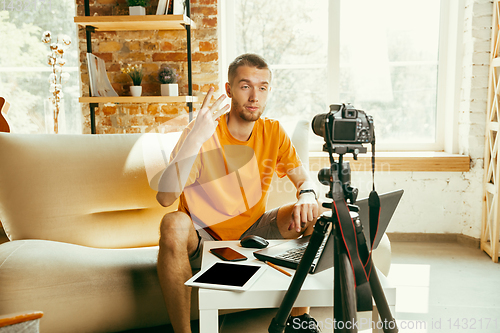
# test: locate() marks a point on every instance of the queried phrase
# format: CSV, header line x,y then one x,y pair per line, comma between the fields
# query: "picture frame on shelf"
x,y
98,77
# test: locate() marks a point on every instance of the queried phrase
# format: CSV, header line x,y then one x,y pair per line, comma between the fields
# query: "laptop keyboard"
x,y
296,254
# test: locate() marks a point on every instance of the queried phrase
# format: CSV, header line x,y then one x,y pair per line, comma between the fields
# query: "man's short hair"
x,y
247,59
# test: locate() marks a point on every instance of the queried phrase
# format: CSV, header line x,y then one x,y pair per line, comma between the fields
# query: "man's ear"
x,y
228,90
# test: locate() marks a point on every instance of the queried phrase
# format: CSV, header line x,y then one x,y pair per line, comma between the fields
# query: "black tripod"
x,y
352,292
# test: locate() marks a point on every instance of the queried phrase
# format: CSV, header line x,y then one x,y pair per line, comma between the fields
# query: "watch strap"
x,y
309,190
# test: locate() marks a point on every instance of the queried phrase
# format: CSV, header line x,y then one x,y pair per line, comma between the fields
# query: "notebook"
x,y
288,254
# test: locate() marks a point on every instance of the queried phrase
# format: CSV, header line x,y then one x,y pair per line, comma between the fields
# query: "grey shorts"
x,y
266,226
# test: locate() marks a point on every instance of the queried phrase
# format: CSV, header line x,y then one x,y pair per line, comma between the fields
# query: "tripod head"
x,y
344,129
338,176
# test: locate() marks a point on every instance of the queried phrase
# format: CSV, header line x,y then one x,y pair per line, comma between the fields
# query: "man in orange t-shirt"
x,y
220,170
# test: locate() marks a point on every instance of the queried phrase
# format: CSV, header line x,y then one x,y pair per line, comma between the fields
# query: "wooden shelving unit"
x,y
139,22
136,23
490,228
140,99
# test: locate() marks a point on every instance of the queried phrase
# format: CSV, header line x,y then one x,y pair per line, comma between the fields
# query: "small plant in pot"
x,y
168,79
135,73
137,7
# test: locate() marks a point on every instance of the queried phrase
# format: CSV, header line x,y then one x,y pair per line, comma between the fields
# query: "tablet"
x,y
227,276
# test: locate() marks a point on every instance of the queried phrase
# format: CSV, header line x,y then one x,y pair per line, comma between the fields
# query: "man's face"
x,y
248,91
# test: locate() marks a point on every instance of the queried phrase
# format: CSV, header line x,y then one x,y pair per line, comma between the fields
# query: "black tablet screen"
x,y
227,274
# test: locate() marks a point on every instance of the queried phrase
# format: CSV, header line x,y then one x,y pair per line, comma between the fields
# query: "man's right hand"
x,y
174,178
207,119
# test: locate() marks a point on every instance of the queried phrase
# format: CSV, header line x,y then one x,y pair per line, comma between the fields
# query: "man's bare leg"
x,y
178,240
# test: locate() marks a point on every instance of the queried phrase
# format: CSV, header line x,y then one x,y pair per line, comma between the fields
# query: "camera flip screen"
x,y
344,131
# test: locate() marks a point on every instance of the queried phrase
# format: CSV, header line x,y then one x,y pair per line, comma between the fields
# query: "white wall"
x,y
433,202
449,202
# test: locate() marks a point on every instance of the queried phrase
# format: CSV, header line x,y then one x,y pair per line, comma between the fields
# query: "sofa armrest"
x,y
4,107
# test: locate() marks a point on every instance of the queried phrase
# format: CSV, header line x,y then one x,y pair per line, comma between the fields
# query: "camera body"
x,y
345,124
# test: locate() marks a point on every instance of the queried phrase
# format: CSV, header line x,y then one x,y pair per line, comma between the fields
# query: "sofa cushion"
x,y
82,289
91,190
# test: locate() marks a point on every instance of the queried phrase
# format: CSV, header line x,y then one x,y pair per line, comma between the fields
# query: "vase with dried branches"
x,y
55,59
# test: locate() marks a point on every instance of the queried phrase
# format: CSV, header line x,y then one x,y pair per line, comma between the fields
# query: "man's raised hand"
x,y
207,119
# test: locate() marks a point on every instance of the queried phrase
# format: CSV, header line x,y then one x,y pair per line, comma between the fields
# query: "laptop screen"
x,y
388,203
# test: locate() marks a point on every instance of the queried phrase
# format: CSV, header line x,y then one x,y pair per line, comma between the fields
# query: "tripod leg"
x,y
348,293
375,318
344,306
382,305
338,312
278,322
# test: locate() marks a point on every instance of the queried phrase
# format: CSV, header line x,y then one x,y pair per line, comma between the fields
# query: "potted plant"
x,y
136,73
168,79
137,7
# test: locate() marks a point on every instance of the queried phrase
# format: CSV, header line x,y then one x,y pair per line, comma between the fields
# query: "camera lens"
x,y
318,124
325,176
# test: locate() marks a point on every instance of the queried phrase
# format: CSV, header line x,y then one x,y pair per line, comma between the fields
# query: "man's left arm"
x,y
306,208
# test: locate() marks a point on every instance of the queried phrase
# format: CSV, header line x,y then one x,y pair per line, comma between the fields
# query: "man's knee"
x,y
175,229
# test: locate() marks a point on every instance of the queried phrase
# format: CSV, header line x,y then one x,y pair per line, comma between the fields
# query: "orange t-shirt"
x,y
226,191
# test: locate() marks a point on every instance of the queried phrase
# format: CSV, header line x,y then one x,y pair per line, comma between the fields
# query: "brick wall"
x,y
151,49
476,38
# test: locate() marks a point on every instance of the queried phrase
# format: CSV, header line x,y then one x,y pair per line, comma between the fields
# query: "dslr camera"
x,y
344,125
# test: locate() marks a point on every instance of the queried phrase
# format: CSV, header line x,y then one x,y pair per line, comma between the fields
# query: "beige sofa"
x,y
82,219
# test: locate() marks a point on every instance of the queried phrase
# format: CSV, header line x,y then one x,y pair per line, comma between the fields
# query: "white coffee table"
x,y
269,290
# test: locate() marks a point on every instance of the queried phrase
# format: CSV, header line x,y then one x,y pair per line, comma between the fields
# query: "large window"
x,y
24,72
385,57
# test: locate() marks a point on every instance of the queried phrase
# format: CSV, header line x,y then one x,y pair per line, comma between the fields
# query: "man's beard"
x,y
250,116
246,115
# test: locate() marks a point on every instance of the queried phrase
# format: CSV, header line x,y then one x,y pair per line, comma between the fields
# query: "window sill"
x,y
398,161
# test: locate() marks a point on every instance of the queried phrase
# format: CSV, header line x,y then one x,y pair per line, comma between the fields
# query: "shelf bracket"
x,y
189,59
88,32
92,117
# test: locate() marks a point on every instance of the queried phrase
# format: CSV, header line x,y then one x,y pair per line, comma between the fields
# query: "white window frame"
x,y
449,70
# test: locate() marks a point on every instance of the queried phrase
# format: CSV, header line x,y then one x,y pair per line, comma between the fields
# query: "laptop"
x,y
289,254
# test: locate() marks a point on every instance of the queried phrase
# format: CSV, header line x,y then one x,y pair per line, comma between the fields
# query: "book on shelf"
x,y
179,7
99,81
162,6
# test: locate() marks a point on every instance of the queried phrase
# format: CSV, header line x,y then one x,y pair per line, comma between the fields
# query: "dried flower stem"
x,y
57,78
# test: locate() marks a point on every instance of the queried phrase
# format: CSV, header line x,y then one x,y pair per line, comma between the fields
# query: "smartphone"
x,y
228,254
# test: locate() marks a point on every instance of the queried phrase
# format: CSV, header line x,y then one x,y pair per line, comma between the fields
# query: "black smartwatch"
x,y
309,190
